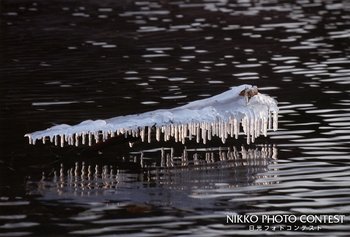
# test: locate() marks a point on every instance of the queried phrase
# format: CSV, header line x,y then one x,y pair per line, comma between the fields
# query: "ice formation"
x,y
224,115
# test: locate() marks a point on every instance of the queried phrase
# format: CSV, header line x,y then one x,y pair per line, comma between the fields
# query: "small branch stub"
x,y
248,93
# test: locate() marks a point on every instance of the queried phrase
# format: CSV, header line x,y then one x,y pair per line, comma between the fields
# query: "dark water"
x,y
67,61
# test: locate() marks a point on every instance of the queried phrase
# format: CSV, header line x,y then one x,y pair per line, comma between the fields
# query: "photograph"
x,y
152,118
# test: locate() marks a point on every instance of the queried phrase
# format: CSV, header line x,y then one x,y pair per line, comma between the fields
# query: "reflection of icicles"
x,y
82,179
198,156
192,166
200,120
201,169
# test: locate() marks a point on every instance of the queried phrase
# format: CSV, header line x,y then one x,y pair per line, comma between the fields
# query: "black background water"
x,y
67,61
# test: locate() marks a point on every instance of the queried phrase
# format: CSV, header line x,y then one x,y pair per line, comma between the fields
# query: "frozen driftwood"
x,y
224,115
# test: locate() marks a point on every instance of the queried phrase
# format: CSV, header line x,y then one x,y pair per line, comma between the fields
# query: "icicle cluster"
x,y
224,115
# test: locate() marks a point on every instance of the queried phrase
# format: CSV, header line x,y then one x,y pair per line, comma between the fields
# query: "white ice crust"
x,y
222,115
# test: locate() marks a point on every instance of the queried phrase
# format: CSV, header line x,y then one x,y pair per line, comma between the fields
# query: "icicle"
x,y
190,129
104,136
149,134
158,134
264,121
226,129
168,129
179,131
218,125
214,129
209,132
83,138
197,133
257,127
275,121
165,133
176,133
222,132
172,130
252,128
90,138
261,126
184,133
247,125
204,134
142,134
76,139
231,127
62,140
169,133
236,127
97,137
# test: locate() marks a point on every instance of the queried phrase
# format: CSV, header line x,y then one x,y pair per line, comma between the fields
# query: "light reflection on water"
x,y
65,62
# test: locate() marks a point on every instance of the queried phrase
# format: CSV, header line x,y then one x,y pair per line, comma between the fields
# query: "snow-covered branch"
x,y
224,115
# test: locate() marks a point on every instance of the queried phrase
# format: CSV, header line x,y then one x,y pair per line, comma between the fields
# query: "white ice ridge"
x,y
223,115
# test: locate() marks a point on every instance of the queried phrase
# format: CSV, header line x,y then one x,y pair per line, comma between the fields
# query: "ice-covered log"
x,y
224,115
